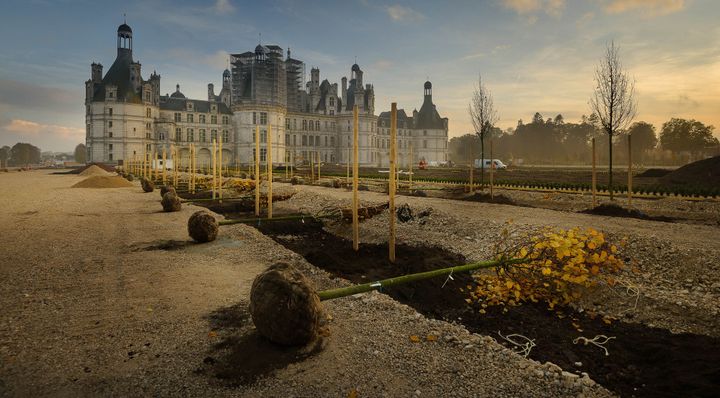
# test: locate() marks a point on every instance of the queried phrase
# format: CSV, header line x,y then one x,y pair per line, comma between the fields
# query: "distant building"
x,y
126,116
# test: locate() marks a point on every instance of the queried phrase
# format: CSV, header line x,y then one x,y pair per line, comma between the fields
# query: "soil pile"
x,y
704,172
103,182
613,210
94,170
654,173
487,198
105,167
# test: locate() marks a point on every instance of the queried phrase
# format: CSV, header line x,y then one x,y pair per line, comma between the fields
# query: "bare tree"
x,y
613,100
483,116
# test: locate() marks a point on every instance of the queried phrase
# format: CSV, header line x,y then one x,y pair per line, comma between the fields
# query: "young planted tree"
x,y
80,153
613,100
483,116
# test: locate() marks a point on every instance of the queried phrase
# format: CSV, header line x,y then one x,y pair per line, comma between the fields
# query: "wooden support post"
x,y
214,165
492,169
164,169
312,166
269,170
629,187
257,171
319,161
392,182
594,176
411,167
143,160
472,167
347,174
220,162
356,226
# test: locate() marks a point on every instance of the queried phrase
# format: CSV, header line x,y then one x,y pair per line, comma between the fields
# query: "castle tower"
x,y
124,40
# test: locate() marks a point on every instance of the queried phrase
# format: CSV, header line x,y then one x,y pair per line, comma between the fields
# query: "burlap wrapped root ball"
x,y
170,202
167,188
202,227
284,306
129,177
147,185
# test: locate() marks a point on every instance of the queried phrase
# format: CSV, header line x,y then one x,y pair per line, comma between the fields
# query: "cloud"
x,y
404,14
530,7
31,96
223,7
381,65
584,19
41,132
647,7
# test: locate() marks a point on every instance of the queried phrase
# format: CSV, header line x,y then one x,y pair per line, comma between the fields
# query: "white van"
x,y
499,165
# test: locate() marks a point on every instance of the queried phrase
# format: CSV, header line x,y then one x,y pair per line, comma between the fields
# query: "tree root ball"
x,y
202,227
167,188
284,306
130,177
147,185
170,202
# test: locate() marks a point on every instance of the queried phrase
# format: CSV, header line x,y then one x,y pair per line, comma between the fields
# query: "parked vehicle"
x,y
498,164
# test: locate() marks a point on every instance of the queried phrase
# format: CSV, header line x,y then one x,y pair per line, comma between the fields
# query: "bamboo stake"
x,y
257,170
629,192
220,161
347,175
269,170
392,182
594,176
411,166
385,283
193,176
214,167
356,226
492,169
472,167
164,172
318,165
312,166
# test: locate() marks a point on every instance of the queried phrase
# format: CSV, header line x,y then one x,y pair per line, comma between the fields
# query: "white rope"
x,y
522,348
599,341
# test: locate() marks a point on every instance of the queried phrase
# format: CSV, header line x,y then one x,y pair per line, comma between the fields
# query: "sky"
x,y
533,55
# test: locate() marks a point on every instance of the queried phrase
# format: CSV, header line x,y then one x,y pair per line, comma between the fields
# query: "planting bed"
x,y
643,361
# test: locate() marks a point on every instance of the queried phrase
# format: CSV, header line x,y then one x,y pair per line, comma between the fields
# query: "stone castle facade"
x,y
126,116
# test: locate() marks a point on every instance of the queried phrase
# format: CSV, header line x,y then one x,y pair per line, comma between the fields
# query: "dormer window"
x,y
189,106
213,108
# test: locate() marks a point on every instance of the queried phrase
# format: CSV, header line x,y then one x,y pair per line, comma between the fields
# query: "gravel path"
x,y
93,306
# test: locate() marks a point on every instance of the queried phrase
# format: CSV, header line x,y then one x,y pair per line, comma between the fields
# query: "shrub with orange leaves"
x,y
559,266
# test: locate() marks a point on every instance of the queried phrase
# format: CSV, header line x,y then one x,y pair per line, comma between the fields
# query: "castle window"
x,y
202,135
177,116
317,140
424,143
189,106
254,118
109,147
189,117
148,126
304,125
332,112
201,119
294,139
148,112
263,118
109,111
287,138
178,134
213,108
110,134
213,135
294,124
326,141
263,154
213,119
110,123
190,135
287,124
332,101
110,94
161,136
225,120
304,140
263,136
110,158
332,141
311,125
226,136
317,125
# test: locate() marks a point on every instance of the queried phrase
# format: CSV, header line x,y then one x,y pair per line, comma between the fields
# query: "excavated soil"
x,y
642,361
94,170
704,172
613,210
103,182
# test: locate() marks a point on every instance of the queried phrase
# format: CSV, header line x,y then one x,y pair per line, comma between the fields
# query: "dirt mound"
x,y
704,172
654,173
613,210
105,167
486,198
103,182
94,170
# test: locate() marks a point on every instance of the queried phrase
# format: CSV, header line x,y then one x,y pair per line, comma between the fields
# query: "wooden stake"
x,y
164,172
257,171
472,167
220,161
269,170
411,167
356,226
347,175
492,169
318,164
629,189
594,176
312,166
392,182
214,167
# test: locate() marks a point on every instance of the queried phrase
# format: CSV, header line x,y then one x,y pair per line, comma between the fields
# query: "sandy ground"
x,y
91,308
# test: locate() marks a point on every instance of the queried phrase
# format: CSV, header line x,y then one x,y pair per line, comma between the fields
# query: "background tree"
x,y
4,156
643,139
613,100
23,154
80,153
687,135
483,116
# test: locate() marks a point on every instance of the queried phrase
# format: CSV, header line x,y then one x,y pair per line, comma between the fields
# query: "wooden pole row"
x,y
356,227
392,182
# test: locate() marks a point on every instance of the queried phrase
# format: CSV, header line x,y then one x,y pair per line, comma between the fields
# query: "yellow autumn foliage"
x,y
560,266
